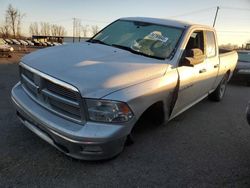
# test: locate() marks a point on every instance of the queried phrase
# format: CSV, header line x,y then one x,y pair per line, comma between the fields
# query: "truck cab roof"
x,y
168,22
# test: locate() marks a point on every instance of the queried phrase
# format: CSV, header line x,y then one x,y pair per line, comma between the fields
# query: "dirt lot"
x,y
207,146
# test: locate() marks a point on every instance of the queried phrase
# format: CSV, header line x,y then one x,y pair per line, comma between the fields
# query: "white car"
x,y
5,49
29,42
8,41
23,42
16,42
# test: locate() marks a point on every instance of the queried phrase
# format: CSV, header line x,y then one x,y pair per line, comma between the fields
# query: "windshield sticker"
x,y
156,35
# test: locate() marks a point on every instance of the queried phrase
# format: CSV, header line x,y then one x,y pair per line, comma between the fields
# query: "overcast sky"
x,y
233,24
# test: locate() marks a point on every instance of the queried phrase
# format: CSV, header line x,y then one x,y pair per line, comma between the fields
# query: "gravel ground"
x,y
206,146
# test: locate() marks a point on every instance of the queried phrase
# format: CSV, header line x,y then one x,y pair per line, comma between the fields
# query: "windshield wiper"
x,y
136,52
97,41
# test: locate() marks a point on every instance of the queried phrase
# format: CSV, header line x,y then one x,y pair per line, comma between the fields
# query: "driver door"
x,y
191,78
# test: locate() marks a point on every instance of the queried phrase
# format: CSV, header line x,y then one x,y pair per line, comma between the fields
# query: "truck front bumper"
x,y
91,141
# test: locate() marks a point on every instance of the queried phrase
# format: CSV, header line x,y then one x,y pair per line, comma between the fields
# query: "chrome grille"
x,y
55,97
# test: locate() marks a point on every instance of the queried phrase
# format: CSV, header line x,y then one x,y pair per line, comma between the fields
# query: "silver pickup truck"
x,y
85,98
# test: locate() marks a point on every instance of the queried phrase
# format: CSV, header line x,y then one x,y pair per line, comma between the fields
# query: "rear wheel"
x,y
219,92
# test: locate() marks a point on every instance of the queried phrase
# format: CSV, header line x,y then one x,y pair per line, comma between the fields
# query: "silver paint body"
x,y
103,72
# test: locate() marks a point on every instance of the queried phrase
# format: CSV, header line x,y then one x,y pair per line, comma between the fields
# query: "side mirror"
x,y
193,57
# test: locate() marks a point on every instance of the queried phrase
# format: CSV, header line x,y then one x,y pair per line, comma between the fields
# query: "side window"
x,y
210,44
196,40
194,50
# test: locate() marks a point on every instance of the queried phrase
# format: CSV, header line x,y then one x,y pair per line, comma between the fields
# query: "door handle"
x,y
202,71
216,66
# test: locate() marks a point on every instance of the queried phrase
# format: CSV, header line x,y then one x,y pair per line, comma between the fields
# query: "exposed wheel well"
x,y
153,114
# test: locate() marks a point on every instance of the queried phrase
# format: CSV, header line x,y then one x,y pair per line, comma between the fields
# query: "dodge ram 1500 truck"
x,y
85,98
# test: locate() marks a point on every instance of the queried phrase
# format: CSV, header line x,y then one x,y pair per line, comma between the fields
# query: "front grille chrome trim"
x,y
30,83
50,78
59,99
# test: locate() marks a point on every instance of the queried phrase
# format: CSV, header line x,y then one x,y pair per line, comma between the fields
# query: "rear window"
x,y
244,56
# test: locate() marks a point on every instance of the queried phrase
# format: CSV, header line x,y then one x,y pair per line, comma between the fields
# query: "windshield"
x,y
244,56
152,40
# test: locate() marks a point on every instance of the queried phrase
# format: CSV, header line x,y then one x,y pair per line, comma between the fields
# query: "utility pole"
x,y
216,14
74,27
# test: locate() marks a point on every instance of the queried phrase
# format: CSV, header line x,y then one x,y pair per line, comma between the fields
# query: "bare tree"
x,y
53,30
14,19
19,23
5,30
34,28
85,29
94,29
61,31
45,29
57,30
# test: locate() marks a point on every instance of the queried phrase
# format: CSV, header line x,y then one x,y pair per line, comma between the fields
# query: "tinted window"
x,y
244,56
210,45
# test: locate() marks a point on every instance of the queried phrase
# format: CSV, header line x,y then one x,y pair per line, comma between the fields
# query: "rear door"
x,y
212,61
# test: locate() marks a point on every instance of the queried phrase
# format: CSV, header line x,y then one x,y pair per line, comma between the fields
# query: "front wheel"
x,y
219,92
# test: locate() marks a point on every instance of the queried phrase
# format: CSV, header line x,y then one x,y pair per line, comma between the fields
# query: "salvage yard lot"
x,y
206,146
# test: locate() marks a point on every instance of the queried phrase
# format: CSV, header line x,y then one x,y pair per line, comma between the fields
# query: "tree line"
x,y
13,20
46,29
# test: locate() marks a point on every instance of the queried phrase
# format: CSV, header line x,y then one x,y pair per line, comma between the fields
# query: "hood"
x,y
95,69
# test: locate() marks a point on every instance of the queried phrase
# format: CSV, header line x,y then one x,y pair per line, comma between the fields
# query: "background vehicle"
x,y
29,42
8,41
5,49
242,71
43,43
49,43
86,98
22,42
37,43
16,42
56,43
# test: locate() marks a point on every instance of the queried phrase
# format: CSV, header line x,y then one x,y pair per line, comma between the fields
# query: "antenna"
x,y
216,14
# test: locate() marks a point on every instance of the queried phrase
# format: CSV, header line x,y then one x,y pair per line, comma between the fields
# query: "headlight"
x,y
108,111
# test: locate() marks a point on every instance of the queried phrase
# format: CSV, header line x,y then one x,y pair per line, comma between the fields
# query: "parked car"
x,y
16,42
8,41
85,98
248,113
5,49
29,42
56,44
44,43
49,43
22,42
242,71
37,43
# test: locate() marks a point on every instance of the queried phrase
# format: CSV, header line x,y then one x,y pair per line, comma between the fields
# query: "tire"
x,y
219,92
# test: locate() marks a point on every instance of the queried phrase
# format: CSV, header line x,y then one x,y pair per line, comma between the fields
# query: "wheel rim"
x,y
223,88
